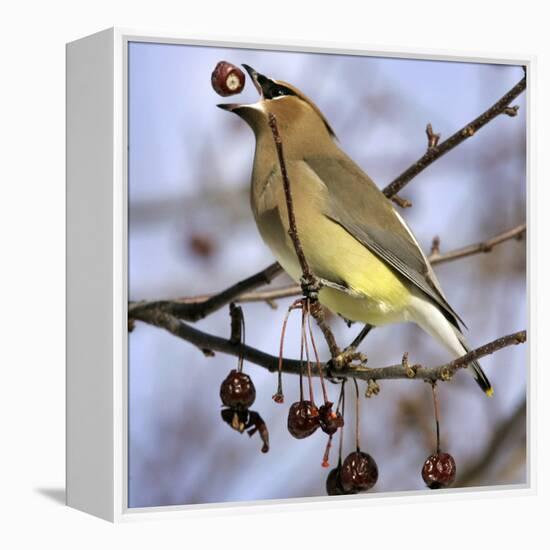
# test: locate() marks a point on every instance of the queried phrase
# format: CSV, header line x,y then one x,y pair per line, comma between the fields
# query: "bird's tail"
x,y
475,368
481,378
430,318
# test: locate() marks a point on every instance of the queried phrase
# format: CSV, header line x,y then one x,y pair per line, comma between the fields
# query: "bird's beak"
x,y
257,80
229,106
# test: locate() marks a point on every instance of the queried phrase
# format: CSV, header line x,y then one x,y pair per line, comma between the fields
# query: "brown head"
x,y
301,124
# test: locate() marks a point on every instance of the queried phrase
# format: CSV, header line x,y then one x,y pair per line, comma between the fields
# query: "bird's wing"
x,y
356,204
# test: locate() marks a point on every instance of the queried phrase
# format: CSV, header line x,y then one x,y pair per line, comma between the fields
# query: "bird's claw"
x,y
310,288
348,356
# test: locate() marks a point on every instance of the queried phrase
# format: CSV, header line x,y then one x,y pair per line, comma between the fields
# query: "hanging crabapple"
x,y
237,390
330,420
439,470
303,419
227,79
359,472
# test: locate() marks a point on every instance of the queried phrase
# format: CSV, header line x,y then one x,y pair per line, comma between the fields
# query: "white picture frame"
x,y
97,418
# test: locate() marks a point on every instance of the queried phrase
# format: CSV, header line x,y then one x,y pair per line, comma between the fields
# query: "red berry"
x,y
237,390
329,420
359,472
227,79
303,419
439,470
334,483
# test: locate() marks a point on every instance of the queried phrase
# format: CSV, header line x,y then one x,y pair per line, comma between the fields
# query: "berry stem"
x,y
279,396
237,330
356,415
341,397
341,401
436,411
243,341
318,361
325,463
305,313
302,367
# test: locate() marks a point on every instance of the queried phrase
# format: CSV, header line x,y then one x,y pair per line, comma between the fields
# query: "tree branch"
x,y
210,343
438,150
483,247
478,353
194,309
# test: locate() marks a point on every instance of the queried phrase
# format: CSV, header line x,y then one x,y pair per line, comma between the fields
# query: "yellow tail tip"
x,y
489,392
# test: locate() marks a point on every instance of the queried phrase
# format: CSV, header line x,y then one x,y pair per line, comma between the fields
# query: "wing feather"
x,y
357,205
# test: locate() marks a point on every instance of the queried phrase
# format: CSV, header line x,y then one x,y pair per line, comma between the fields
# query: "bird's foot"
x,y
350,354
310,288
347,357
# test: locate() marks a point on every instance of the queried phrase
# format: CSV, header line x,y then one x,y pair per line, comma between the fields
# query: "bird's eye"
x,y
273,90
282,90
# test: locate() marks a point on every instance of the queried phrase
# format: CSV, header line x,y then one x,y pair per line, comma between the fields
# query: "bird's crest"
x,y
306,99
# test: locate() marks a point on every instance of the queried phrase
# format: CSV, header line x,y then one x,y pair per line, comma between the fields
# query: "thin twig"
x,y
310,283
318,314
400,201
292,229
482,247
433,153
499,343
196,310
237,323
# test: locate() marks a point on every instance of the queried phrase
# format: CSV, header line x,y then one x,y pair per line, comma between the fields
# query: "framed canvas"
x,y
254,320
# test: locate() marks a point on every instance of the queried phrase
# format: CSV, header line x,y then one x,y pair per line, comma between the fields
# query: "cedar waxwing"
x,y
351,234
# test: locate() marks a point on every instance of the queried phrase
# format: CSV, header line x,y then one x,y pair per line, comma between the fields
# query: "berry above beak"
x,y
256,79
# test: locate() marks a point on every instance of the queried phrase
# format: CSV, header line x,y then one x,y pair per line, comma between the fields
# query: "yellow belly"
x,y
379,296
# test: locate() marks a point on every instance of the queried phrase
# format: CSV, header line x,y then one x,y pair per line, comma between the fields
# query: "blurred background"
x,y
191,232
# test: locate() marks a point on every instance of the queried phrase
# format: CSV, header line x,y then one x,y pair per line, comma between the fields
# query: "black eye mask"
x,y
271,89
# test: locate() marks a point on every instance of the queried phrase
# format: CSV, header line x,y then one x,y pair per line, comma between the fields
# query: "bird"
x,y
352,236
